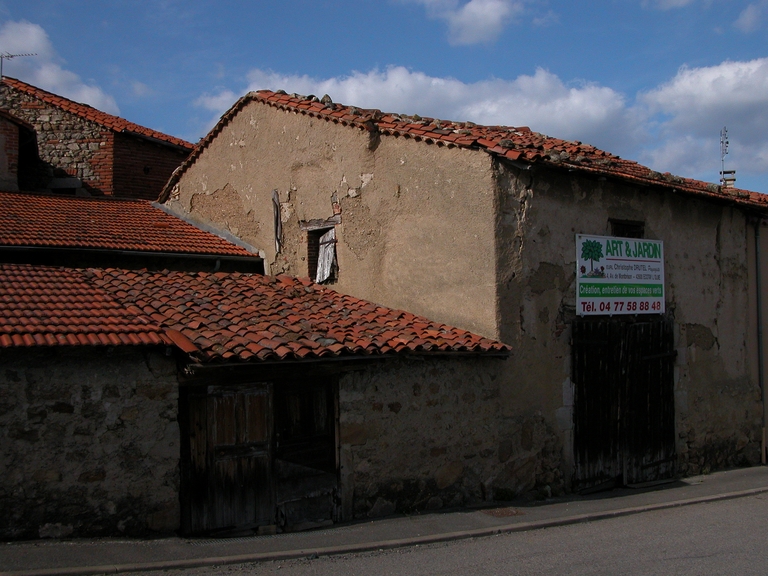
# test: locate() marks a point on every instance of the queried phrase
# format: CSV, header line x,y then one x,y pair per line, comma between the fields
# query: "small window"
x,y
627,229
321,255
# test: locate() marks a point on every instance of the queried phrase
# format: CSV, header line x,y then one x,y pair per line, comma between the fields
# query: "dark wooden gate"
x,y
227,458
306,462
624,418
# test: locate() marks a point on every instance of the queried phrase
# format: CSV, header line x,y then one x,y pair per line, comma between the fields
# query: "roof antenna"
x,y
727,177
8,56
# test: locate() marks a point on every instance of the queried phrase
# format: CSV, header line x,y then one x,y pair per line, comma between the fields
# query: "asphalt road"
x,y
725,537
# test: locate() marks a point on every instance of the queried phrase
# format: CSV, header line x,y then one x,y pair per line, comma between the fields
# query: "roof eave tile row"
x,y
213,317
515,144
114,123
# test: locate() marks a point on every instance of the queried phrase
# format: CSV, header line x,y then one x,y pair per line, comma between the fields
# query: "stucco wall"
x,y
416,219
428,434
717,399
89,443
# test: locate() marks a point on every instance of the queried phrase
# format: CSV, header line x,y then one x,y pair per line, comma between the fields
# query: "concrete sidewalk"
x,y
110,556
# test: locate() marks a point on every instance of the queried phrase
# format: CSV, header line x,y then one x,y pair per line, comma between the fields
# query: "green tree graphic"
x,y
591,250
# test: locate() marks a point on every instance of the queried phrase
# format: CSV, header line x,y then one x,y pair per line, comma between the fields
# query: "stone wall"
x,y
106,163
89,442
429,434
66,142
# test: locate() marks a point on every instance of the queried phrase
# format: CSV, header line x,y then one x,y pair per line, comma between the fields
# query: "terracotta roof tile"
x,y
259,316
114,123
46,306
102,223
519,144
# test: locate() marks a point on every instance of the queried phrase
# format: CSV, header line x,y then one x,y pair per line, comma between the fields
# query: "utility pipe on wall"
x,y
760,367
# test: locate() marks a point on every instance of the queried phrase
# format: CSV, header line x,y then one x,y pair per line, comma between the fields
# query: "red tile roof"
x,y
114,123
517,144
42,306
215,317
102,223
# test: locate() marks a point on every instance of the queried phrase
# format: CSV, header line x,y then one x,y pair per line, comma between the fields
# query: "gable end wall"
x,y
9,155
80,148
417,219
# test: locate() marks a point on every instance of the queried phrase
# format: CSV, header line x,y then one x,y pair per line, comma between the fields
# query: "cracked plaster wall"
x,y
416,219
718,410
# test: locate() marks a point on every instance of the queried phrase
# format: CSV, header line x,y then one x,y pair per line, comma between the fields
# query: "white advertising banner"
x,y
619,275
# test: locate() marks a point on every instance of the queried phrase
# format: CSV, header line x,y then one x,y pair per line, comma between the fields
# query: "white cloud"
x,y
44,70
667,4
140,89
219,102
476,21
700,100
694,105
751,17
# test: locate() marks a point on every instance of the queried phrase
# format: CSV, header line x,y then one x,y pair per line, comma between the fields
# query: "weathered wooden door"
x,y
597,376
648,407
227,476
624,418
306,467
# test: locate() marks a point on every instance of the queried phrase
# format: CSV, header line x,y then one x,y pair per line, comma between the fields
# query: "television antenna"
x,y
8,56
727,177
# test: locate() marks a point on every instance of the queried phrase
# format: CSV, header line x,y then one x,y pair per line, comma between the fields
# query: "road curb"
x,y
379,545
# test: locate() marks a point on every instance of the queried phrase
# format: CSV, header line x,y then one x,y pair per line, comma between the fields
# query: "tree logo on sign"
x,y
592,250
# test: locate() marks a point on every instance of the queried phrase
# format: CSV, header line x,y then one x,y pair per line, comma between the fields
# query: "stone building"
x,y
86,151
137,401
477,226
152,379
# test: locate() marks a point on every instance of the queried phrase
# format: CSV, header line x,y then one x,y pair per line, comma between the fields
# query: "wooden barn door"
x,y
227,475
306,455
649,403
624,417
597,375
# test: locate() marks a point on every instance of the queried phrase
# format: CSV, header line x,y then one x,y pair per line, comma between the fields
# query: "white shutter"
x,y
326,256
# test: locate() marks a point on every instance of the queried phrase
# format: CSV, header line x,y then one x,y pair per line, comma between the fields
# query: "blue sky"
x,y
650,80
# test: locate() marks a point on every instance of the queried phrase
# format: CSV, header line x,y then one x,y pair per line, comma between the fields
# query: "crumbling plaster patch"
x,y
226,207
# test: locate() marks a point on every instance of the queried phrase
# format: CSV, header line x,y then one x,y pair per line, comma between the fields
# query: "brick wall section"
x,y
9,155
142,167
89,443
